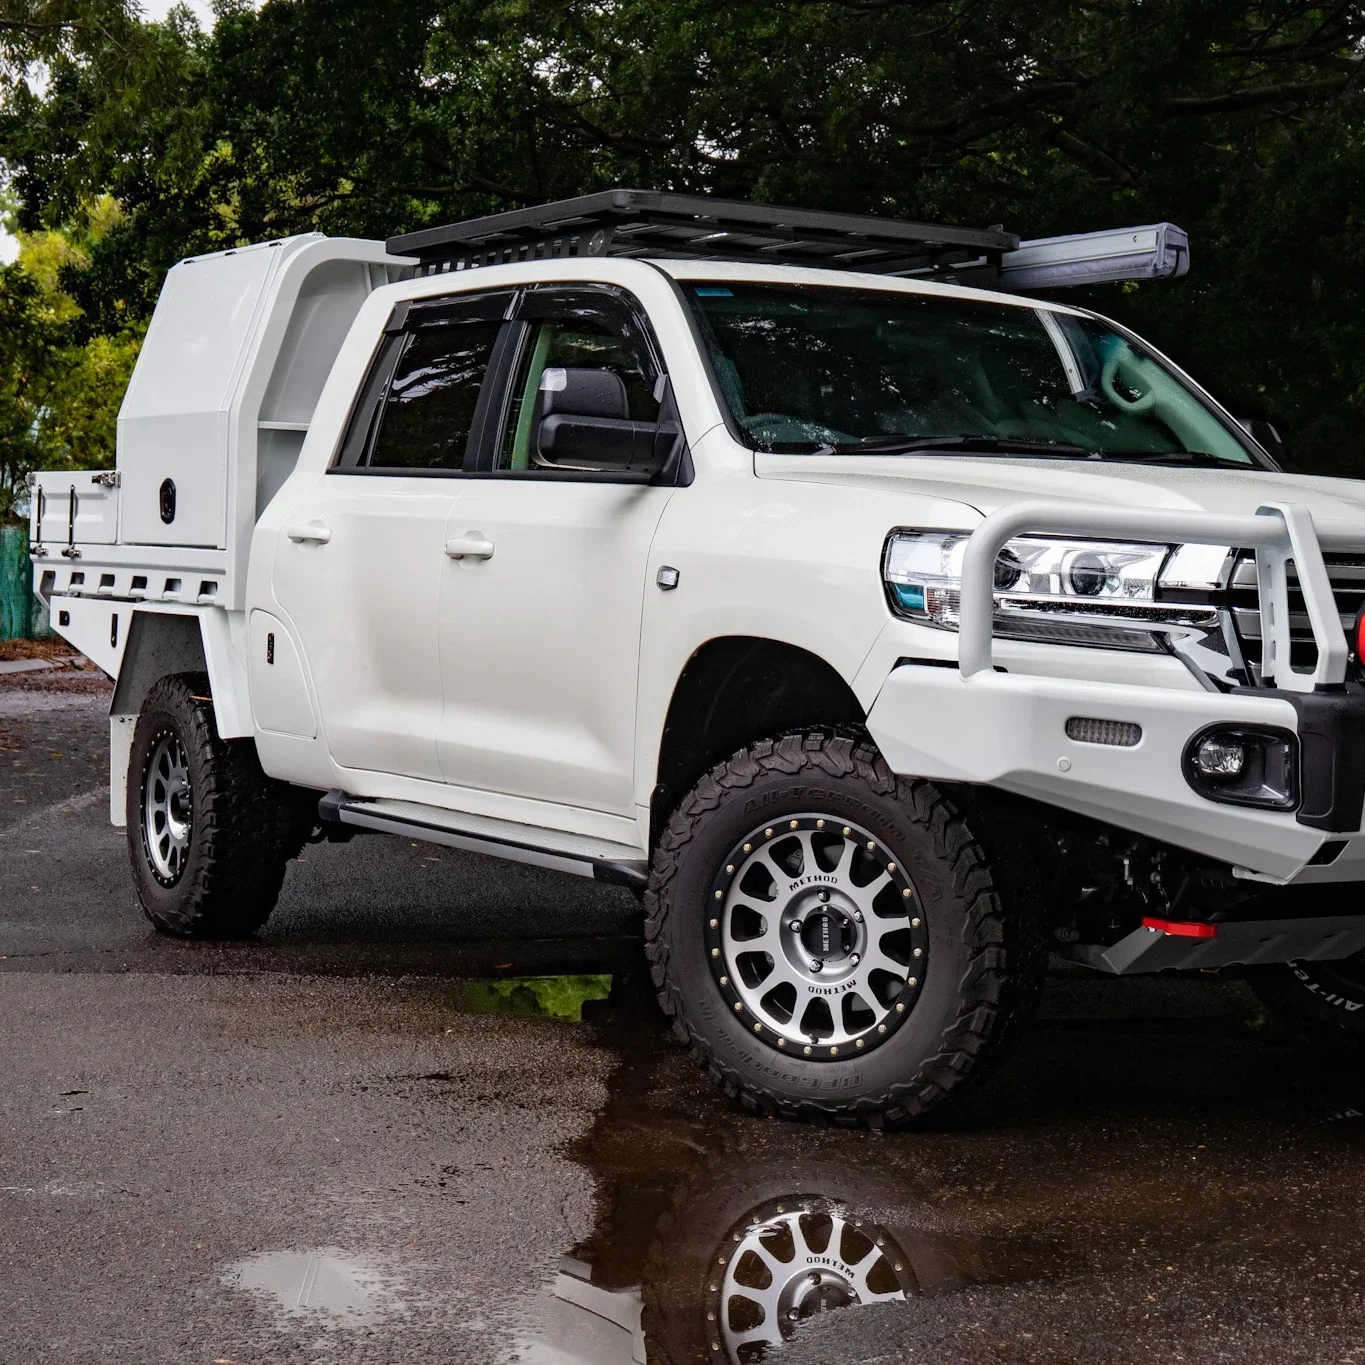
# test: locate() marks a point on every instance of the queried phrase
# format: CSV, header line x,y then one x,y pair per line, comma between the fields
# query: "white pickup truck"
x,y
887,633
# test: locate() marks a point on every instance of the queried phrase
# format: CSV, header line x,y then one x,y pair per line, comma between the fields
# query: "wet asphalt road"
x,y
312,1148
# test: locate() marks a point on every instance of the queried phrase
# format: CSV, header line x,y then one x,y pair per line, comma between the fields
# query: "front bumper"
x,y
974,724
1009,731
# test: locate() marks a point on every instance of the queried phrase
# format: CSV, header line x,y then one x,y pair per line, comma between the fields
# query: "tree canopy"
x,y
137,143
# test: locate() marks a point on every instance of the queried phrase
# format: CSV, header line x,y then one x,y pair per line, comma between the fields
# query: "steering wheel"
x,y
1142,403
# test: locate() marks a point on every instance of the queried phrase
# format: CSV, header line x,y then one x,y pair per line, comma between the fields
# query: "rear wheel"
x,y
1322,1001
208,833
827,937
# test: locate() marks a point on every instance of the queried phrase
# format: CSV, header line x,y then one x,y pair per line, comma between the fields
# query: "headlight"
x,y
1077,592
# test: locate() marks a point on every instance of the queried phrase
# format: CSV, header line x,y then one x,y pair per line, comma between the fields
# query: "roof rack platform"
x,y
645,223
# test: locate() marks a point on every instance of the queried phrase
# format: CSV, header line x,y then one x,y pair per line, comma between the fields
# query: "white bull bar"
x,y
1278,533
975,724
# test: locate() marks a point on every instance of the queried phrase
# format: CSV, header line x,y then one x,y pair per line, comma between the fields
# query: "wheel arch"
x,y
736,689
162,643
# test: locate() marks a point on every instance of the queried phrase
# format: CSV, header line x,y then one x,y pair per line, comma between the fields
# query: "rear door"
x,y
360,563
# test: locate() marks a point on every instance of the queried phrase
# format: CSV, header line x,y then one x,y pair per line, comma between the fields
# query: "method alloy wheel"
x,y
208,833
818,938
827,937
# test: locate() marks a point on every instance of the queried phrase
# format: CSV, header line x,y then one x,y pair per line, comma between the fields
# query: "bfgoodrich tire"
x,y
208,833
1321,1001
827,938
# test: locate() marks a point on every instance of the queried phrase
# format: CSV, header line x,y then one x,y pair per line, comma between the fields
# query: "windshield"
x,y
824,369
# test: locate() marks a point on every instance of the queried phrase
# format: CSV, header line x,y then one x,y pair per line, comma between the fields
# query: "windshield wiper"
x,y
1199,457
901,445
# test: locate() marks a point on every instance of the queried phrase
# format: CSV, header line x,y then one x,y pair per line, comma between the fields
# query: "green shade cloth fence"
x,y
21,614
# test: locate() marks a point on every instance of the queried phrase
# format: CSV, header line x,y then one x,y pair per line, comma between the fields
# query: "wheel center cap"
x,y
827,934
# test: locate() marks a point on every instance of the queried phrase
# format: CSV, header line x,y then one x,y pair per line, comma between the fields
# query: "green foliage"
x,y
61,383
1240,121
561,997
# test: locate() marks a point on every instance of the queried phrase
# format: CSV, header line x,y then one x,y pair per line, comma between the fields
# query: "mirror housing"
x,y
604,443
584,425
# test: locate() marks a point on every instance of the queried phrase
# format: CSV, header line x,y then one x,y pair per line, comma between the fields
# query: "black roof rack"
x,y
651,223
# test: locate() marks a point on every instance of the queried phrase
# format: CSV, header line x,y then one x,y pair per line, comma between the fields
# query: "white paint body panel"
x,y
280,699
548,712
1009,732
51,525
227,382
363,609
532,687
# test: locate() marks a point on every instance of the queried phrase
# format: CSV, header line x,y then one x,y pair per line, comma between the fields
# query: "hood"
x,y
988,483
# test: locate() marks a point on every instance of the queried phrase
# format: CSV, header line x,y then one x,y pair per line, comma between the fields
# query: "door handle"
x,y
471,545
313,531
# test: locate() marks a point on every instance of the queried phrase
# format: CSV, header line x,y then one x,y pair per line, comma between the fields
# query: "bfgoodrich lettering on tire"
x,y
827,938
208,833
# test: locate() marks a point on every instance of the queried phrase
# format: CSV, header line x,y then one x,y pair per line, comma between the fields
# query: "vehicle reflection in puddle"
x,y
1133,1165
709,1249
733,1269
324,1285
1136,1165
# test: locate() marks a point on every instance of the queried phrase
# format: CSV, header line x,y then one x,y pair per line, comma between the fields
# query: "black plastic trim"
x,y
542,475
1210,790
1332,756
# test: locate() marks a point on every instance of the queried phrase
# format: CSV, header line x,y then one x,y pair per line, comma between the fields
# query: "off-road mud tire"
x,y
1321,1002
984,971
243,827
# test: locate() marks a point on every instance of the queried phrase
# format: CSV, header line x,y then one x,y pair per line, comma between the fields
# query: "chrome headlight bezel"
x,y
1053,589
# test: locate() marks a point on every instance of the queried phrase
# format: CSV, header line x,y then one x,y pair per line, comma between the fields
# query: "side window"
x,y
425,391
429,409
564,331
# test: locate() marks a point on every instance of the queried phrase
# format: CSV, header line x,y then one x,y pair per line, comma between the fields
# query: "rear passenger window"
x,y
429,408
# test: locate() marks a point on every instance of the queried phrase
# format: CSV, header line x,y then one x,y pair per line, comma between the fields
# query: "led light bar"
x,y
1160,251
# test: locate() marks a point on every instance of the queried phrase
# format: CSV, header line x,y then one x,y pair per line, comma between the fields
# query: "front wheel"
x,y
1321,1001
208,833
827,937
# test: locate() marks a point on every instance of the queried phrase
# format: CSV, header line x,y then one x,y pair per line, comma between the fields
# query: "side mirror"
x,y
584,425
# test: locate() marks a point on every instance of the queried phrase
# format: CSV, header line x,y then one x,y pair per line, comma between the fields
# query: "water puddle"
x,y
721,1237
325,1286
1120,1194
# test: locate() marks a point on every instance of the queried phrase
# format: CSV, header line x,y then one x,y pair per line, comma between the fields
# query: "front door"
x,y
540,626
360,562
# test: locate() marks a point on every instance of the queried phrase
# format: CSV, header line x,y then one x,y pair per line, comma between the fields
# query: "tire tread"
x,y
996,994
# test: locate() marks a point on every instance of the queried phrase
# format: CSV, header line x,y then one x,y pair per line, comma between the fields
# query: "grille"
x,y
1347,575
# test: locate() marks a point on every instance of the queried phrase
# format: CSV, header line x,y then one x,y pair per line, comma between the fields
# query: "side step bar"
x,y
601,859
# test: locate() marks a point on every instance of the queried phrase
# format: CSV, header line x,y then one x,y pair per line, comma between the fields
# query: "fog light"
x,y
1220,755
1245,765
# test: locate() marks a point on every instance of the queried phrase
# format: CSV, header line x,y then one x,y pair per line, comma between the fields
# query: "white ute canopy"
x,y
221,398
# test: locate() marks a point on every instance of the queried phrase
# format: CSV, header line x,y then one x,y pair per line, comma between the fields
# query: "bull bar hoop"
x,y
1278,532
